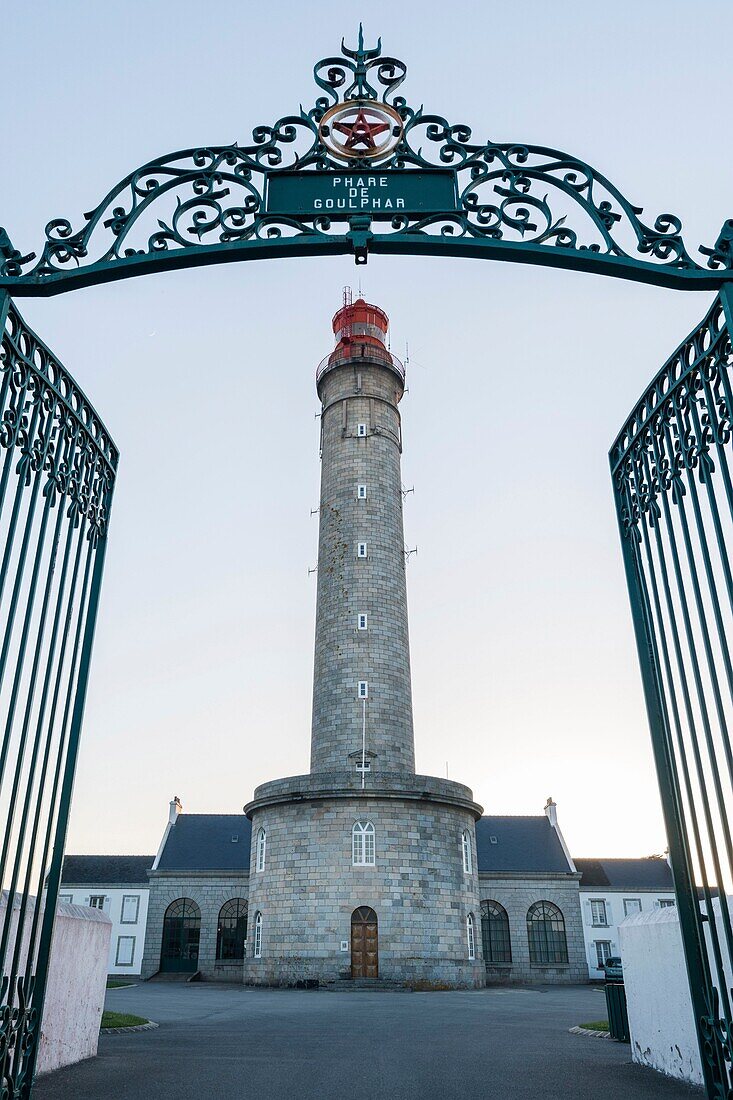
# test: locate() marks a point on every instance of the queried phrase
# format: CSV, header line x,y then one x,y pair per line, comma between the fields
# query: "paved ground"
x,y
227,1042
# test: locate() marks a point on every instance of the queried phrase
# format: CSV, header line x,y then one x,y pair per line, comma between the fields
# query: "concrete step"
x,y
366,985
167,976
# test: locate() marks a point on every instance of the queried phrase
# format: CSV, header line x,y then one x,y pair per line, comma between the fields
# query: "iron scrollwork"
x,y
208,205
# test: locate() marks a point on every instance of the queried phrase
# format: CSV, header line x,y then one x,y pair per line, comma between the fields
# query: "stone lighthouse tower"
x,y
362,699
362,869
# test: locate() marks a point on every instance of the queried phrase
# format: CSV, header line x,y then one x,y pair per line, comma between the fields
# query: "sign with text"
x,y
377,194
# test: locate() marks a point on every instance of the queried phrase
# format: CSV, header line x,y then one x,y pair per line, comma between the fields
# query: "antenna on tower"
x,y
407,354
406,491
408,553
346,330
313,570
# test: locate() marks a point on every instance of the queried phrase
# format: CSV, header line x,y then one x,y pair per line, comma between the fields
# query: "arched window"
x,y
232,929
466,847
258,936
548,945
471,936
495,934
362,844
261,845
181,929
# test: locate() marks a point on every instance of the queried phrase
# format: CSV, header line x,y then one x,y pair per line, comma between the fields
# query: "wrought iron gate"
x,y
671,470
403,182
57,472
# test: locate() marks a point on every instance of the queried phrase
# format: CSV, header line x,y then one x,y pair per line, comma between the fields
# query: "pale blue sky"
x,y
524,670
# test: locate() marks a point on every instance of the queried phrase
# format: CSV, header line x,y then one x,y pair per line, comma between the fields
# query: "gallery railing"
x,y
671,469
57,473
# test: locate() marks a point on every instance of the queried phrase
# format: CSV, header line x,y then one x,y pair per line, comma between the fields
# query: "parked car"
x,y
613,969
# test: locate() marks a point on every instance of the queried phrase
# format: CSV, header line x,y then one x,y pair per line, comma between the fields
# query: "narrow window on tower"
x,y
258,936
466,846
470,936
361,550
362,622
361,429
261,845
363,689
361,492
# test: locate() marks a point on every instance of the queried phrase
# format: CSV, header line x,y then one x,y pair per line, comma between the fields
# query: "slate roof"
x,y
105,870
519,844
625,874
203,842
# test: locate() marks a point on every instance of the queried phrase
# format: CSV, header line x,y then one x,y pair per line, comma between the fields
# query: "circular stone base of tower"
x,y
412,915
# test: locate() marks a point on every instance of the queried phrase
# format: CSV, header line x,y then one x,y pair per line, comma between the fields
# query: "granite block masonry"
x,y
362,869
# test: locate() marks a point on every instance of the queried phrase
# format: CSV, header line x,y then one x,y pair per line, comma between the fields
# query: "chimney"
x,y
175,809
551,811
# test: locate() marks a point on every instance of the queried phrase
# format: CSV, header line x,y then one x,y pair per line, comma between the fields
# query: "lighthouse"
x,y
362,870
362,698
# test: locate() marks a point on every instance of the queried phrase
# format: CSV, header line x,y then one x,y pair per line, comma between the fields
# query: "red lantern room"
x,y
361,333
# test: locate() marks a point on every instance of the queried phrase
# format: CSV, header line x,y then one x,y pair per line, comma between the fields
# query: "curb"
x,y
149,1026
589,1033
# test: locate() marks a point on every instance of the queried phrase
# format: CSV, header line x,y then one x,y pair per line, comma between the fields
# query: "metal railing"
x,y
364,353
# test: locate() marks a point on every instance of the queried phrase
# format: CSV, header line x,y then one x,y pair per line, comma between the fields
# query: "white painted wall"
x,y
77,980
615,913
123,931
661,1019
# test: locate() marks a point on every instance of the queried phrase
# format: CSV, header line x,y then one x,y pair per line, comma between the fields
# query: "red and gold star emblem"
x,y
361,132
361,129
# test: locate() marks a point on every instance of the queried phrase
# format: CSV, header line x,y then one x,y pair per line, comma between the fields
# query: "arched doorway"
x,y
364,943
181,930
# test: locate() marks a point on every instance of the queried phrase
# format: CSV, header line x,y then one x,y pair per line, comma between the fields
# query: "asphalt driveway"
x,y
218,1041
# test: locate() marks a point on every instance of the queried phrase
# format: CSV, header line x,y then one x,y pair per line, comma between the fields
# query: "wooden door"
x,y
364,943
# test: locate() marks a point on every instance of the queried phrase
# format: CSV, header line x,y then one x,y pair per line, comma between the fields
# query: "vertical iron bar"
x,y
98,548
686,893
681,752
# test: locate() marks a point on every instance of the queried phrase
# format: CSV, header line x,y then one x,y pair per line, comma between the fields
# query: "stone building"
x,y
117,886
362,869
528,919
613,889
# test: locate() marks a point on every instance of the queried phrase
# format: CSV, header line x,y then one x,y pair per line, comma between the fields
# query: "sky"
x,y
525,678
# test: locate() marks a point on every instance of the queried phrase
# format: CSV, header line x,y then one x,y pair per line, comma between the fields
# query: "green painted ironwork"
x,y
57,472
503,201
516,202
671,470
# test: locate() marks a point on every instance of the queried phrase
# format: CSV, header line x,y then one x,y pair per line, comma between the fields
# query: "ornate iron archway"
x,y
362,171
420,186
